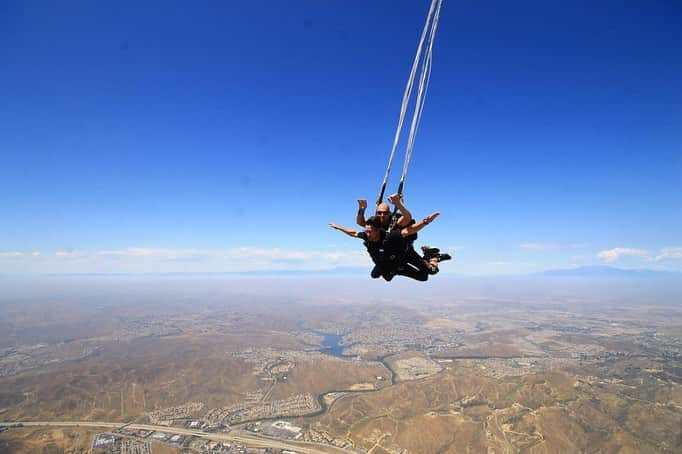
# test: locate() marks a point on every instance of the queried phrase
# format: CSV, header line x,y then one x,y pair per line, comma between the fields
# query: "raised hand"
x,y
428,219
395,198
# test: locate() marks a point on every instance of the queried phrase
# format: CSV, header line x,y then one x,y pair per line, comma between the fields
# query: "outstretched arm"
x,y
347,231
414,228
405,215
360,218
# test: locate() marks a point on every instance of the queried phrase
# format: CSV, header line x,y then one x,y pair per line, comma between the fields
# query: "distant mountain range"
x,y
607,271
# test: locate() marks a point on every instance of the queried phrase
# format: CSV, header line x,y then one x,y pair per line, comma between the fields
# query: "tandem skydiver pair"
x,y
389,237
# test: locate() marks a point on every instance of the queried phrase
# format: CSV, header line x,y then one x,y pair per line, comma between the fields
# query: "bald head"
x,y
384,214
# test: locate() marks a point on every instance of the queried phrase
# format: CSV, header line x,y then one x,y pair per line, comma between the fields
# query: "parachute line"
x,y
425,77
428,35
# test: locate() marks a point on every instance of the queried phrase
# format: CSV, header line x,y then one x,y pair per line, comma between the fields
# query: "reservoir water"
x,y
331,343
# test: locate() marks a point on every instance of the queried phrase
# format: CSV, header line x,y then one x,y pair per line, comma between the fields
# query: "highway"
x,y
250,440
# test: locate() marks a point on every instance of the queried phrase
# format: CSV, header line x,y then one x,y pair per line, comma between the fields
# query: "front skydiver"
x,y
388,250
400,218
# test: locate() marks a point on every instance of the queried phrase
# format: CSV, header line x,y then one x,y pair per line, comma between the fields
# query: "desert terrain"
x,y
213,371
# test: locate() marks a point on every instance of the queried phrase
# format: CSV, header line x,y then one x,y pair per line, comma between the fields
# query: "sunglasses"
x,y
381,213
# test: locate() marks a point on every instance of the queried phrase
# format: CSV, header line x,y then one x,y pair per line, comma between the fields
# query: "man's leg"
x,y
413,258
408,270
378,272
431,253
388,276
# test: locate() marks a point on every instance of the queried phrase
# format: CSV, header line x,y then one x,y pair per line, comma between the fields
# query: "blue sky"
x,y
226,135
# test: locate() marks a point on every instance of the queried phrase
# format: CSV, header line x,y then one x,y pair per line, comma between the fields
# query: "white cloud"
x,y
612,255
241,253
146,260
669,253
71,254
154,253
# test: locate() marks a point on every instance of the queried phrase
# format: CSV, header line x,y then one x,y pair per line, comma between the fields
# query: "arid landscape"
x,y
335,227
194,366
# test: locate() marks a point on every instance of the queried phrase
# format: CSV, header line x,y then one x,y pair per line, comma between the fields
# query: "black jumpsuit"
x,y
394,255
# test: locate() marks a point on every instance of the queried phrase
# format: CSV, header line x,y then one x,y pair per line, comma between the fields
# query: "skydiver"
x,y
388,250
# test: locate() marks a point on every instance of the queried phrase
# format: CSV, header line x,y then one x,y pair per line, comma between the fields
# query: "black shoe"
x,y
430,252
444,257
376,273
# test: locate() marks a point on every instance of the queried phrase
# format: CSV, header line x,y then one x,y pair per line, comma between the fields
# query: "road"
x,y
255,441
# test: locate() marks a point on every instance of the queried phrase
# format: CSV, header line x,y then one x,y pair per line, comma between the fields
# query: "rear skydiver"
x,y
401,218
